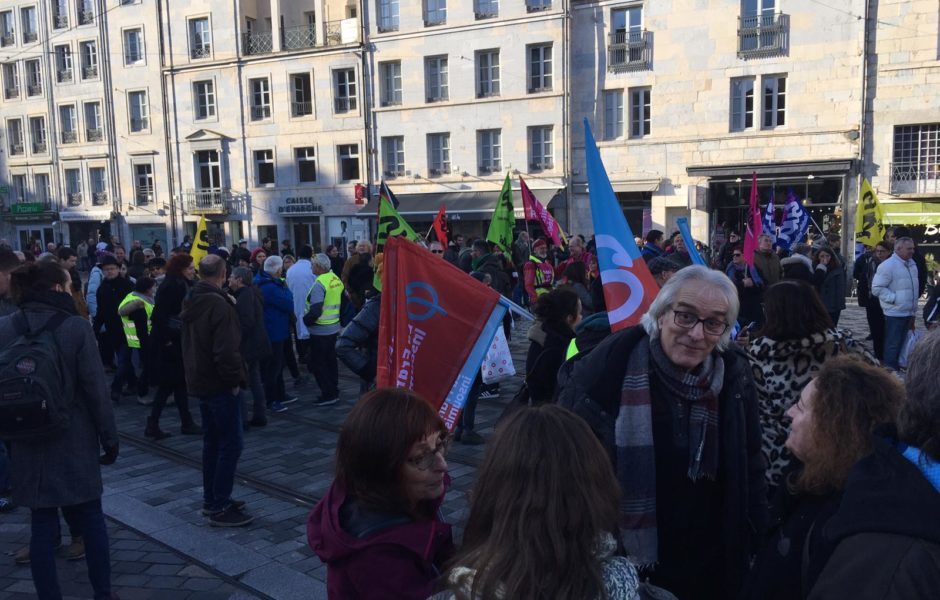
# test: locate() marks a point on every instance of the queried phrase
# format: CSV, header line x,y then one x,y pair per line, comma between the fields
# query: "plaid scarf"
x,y
636,463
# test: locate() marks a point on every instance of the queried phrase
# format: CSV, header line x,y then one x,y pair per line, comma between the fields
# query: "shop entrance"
x,y
32,235
307,232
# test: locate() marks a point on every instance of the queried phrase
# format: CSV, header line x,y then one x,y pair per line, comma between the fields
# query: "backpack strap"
x,y
23,328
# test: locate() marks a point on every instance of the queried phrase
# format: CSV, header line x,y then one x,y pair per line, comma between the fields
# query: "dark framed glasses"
x,y
687,320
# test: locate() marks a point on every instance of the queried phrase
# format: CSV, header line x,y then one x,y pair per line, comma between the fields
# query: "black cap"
x,y
661,265
108,260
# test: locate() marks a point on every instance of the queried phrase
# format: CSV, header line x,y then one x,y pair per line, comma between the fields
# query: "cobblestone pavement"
x,y
163,548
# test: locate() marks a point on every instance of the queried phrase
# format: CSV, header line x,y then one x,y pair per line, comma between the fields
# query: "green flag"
x,y
390,225
504,219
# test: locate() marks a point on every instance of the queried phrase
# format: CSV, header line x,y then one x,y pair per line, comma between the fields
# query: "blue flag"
x,y
683,224
795,222
769,224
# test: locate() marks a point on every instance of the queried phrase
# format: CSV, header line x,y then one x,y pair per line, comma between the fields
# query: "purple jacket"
x,y
398,559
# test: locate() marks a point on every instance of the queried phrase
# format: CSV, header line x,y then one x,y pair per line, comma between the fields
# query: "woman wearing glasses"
x,y
750,288
379,529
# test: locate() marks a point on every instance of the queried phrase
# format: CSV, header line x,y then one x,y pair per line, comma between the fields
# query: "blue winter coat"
x,y
278,306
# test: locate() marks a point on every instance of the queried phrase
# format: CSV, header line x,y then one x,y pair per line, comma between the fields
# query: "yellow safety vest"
x,y
540,285
331,301
130,330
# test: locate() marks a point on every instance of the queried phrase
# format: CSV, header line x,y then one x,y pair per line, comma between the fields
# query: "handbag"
x,y
497,364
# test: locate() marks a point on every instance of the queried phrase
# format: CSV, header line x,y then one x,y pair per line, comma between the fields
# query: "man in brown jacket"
x,y
215,372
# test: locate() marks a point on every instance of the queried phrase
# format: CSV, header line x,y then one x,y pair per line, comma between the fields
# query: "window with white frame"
x,y
742,103
143,183
915,162
133,46
388,15
94,131
264,167
393,155
486,9
390,83
344,90
487,73
30,25
348,161
613,114
11,81
15,137
89,57
33,77
435,78
438,154
204,95
42,187
775,101
208,173
60,14
7,29
639,112
68,121
260,98
139,111
627,35
306,159
37,130
435,12
540,148
73,186
489,143
98,184
200,38
540,67
19,187
301,95
63,63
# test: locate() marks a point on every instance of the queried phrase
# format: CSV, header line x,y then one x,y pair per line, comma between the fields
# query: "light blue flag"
x,y
795,222
683,224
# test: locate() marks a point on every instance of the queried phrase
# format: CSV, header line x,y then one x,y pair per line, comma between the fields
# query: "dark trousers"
x,y
105,349
876,326
290,358
835,317
4,469
182,402
469,413
321,361
221,447
272,373
45,531
896,329
257,390
125,374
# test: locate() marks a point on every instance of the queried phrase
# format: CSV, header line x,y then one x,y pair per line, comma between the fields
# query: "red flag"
x,y
754,226
534,211
440,226
431,315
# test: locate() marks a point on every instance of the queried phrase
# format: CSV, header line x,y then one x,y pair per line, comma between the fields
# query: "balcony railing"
x,y
30,36
629,51
387,24
140,124
260,112
915,178
39,147
94,135
75,199
541,166
537,5
7,39
89,72
296,38
143,196
64,76
218,201
99,198
86,17
60,21
11,92
342,105
334,33
69,137
487,12
760,36
261,42
201,51
34,89
435,18
301,109
17,148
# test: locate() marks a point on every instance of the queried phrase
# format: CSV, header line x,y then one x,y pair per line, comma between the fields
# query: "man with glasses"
x,y
436,248
676,407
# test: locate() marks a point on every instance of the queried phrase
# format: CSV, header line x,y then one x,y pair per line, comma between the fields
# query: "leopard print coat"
x,y
781,370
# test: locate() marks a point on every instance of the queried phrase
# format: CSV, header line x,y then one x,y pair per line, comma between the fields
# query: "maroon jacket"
x,y
389,557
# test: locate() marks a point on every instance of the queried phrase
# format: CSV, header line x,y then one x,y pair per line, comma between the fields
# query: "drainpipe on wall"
x,y
240,65
864,137
174,232
566,108
368,114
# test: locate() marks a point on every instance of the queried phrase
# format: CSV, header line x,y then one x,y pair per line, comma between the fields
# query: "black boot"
x,y
153,430
190,428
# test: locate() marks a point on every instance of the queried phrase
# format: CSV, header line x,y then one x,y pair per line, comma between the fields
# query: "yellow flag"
x,y
869,216
200,247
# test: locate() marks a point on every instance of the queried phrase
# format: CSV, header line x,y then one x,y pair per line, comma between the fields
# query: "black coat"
x,y
830,283
357,346
547,349
250,309
109,295
166,349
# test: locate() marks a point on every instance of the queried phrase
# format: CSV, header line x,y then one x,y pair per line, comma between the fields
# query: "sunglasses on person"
x,y
437,251
426,459
687,320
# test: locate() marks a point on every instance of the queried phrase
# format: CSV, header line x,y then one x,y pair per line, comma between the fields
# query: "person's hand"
x,y
743,340
110,455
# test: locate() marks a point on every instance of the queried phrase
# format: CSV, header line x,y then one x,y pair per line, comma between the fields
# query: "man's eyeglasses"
x,y
426,459
437,251
688,320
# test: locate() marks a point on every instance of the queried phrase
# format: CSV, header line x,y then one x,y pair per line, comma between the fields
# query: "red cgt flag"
x,y
440,226
431,315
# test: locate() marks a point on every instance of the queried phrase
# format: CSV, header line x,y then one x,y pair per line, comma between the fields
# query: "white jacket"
x,y
895,285
300,279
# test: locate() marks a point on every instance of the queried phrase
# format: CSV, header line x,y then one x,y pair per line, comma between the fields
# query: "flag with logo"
x,y
629,287
795,222
869,216
390,225
769,224
435,326
534,211
200,248
440,226
754,227
386,192
504,219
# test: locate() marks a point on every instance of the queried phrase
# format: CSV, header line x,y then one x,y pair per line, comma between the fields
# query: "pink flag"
x,y
754,227
534,211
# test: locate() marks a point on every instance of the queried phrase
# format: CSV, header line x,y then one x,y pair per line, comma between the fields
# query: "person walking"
x,y
215,372
322,318
255,342
135,311
113,289
895,285
278,309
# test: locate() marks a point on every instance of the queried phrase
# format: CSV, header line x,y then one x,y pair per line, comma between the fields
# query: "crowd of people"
x,y
736,443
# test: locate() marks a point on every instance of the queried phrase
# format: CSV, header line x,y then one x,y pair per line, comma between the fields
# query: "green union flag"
x,y
504,219
391,224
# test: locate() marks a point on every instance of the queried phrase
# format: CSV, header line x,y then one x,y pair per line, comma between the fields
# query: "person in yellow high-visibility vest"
x,y
135,310
321,317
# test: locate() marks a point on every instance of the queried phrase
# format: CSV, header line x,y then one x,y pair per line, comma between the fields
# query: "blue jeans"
x,y
896,329
126,373
221,447
45,530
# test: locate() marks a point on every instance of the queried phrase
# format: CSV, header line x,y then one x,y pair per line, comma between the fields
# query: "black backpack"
x,y
33,403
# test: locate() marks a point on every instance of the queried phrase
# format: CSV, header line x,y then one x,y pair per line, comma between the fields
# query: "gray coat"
x,y
64,471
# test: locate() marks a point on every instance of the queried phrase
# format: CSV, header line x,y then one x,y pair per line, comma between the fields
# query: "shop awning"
x,y
815,167
459,203
912,213
644,185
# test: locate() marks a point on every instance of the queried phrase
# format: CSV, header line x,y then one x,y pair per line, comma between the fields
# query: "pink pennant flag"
x,y
754,226
534,211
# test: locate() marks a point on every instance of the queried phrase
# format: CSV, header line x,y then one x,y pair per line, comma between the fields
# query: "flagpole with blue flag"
x,y
769,222
683,225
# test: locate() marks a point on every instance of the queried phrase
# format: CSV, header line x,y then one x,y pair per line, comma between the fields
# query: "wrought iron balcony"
x,y
342,105
7,39
34,89
17,148
94,135
915,177
761,36
491,168
216,201
140,124
60,21
434,19
261,42
143,196
537,5
11,92
541,166
629,51
489,12
99,198
64,76
75,199
301,109
334,33
203,50
30,36
69,137
89,72
296,38
86,17
260,112
39,148
386,25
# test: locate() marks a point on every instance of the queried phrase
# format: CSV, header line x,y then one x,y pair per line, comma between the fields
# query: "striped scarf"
x,y
636,464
